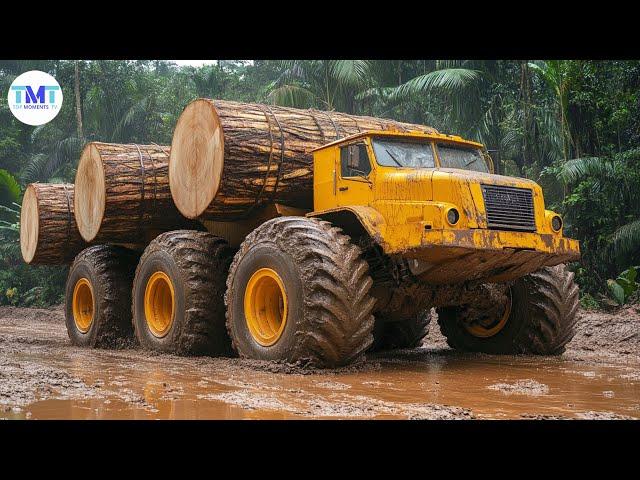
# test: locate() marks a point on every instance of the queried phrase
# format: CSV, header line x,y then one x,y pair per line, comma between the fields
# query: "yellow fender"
x,y
352,218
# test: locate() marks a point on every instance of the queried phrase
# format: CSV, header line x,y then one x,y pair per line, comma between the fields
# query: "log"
x,y
48,231
122,193
228,158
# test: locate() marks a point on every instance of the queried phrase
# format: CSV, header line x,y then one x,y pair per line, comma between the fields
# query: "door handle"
x,y
343,189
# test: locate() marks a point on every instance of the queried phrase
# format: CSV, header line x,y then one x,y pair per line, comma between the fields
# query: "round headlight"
x,y
453,216
556,223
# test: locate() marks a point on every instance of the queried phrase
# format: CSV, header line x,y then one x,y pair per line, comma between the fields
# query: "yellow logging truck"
x,y
402,221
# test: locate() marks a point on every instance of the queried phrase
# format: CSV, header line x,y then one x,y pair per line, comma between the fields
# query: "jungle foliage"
x,y
573,126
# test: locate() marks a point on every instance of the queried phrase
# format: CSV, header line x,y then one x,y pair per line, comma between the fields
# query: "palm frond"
x,y
578,168
133,117
9,210
42,166
545,72
291,96
375,93
291,71
33,170
36,132
351,72
449,80
626,239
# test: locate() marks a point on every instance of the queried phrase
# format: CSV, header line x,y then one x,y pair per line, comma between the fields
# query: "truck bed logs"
x,y
228,158
48,231
122,193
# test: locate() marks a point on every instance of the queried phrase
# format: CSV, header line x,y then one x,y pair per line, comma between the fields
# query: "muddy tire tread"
x,y
554,313
203,260
552,297
115,267
332,333
409,333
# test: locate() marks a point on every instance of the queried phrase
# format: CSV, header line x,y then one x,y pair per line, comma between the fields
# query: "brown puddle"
x,y
418,384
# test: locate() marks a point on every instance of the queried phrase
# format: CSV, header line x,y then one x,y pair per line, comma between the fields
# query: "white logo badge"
x,y
35,98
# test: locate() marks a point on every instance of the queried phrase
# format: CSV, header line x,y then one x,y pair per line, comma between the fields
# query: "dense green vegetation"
x,y
573,126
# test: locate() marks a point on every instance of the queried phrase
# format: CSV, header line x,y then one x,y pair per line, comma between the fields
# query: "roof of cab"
x,y
400,133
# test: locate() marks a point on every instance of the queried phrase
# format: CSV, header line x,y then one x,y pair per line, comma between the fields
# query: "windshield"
x,y
392,152
461,157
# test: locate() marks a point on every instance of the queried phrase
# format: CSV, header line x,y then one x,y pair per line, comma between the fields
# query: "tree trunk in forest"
x,y
48,231
228,158
78,104
122,193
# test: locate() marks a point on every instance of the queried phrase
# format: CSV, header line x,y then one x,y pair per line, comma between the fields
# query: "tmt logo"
x,y
35,98
38,96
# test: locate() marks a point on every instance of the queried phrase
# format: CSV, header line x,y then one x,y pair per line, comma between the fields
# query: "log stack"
x,y
122,193
227,158
48,231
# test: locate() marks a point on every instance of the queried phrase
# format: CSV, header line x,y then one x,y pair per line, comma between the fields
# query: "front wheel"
x,y
539,317
298,291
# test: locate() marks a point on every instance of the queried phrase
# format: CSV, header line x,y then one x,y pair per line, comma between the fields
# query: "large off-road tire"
x,y
98,297
541,320
178,294
409,333
305,287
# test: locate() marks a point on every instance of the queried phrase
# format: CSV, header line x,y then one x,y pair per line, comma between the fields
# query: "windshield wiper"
x,y
393,158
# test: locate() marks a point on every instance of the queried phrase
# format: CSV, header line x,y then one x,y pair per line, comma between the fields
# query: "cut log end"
x,y
197,158
29,224
89,199
48,233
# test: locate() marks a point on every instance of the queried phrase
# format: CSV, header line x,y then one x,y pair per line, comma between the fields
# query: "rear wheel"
x,y
409,333
178,294
539,317
298,291
98,297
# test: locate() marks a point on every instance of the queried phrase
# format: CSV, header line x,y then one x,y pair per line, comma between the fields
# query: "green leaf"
x,y
617,291
626,239
626,285
291,96
9,188
351,72
629,275
445,80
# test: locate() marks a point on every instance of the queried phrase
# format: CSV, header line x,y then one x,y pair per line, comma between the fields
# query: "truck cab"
x,y
434,198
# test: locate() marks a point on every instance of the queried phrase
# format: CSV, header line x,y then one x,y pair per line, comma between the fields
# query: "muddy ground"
x,y
43,376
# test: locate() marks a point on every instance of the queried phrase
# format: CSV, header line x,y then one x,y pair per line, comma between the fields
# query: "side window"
x,y
354,161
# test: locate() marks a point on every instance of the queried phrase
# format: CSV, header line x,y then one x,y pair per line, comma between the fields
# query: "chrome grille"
x,y
509,208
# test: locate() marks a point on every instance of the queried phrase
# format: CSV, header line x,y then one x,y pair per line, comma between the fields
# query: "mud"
x,y
42,376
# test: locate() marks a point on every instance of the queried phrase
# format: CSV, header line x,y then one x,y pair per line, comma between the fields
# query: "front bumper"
x,y
454,256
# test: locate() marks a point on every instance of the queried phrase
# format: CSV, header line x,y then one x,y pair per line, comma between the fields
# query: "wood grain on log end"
x,y
29,224
89,201
48,232
198,150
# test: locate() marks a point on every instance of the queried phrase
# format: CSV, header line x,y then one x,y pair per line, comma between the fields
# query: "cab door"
x,y
354,183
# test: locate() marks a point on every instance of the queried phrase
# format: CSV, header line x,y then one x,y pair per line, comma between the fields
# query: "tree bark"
x,y
78,100
229,158
122,193
48,231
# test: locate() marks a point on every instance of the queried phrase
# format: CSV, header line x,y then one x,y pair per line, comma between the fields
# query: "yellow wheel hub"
x,y
82,304
159,304
265,306
484,330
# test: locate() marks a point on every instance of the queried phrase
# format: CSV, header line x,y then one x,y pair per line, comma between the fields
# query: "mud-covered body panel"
x,y
405,211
